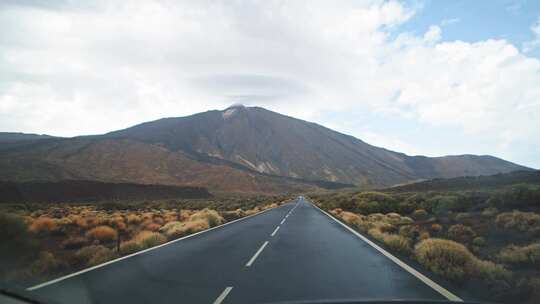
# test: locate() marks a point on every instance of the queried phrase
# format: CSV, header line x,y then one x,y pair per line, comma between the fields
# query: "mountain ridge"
x,y
265,150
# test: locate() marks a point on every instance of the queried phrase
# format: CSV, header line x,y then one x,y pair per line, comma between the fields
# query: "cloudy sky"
x,y
420,77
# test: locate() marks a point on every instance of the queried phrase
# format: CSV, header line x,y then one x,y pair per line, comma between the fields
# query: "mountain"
x,y
11,137
472,182
246,149
271,143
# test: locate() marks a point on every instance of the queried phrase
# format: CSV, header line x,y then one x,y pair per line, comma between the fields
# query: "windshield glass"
x,y
159,151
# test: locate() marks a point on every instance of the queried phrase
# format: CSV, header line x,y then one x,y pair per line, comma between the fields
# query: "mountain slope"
x,y
122,160
238,149
276,144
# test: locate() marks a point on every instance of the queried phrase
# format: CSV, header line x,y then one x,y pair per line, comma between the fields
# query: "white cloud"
x,y
72,68
433,34
450,21
535,42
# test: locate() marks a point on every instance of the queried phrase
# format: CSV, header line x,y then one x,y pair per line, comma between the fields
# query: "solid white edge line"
x,y
141,252
223,295
443,291
254,257
275,231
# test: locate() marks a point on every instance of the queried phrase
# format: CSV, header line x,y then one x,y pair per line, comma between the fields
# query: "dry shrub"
x,y
490,212
185,214
45,264
397,243
420,215
522,221
454,261
80,221
211,216
102,233
148,239
436,228
409,231
130,247
74,242
233,215
117,222
95,254
178,229
151,226
393,241
133,219
158,220
424,235
43,225
461,233
525,255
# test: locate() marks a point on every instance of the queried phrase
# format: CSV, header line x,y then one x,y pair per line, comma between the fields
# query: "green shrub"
x,y
490,212
479,241
527,255
45,264
17,245
441,204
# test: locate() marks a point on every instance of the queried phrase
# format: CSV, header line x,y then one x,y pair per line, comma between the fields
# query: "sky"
x,y
421,77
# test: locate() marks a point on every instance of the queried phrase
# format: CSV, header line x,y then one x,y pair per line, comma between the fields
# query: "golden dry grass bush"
x,y
102,233
152,226
397,243
43,225
454,261
98,254
392,241
149,239
179,229
130,247
521,221
133,218
461,233
525,255
211,216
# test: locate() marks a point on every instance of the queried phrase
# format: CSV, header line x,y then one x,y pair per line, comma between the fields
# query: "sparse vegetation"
x,y
484,240
40,241
526,255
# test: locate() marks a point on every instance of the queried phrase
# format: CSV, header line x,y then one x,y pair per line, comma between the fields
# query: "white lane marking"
x,y
282,221
443,291
141,252
256,254
223,295
275,231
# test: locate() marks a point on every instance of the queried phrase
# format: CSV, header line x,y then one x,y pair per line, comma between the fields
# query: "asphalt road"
x,y
309,257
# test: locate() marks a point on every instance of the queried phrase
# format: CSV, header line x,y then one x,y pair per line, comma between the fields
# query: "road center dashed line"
x,y
256,254
223,295
275,231
282,221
